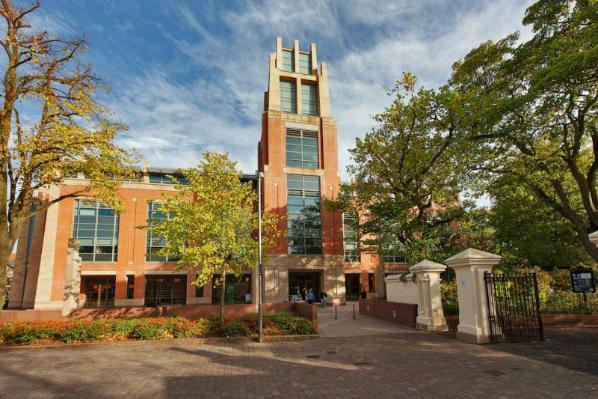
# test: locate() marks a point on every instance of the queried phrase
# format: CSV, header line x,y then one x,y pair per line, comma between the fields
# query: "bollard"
x,y
335,314
354,312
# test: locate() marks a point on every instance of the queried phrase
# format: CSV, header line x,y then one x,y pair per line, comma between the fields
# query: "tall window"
x,y
309,104
304,222
350,239
305,63
164,179
155,243
96,228
302,149
288,96
288,61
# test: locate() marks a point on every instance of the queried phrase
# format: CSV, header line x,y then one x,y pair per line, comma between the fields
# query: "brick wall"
x,y
395,312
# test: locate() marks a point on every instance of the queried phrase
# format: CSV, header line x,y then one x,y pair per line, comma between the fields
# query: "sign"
x,y
582,280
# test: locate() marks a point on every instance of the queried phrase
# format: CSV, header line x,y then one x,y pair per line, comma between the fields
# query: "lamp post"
x,y
260,302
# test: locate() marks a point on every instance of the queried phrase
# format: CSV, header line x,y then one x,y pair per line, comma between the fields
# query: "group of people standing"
x,y
307,295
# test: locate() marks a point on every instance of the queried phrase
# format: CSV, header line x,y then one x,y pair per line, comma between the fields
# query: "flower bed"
x,y
44,332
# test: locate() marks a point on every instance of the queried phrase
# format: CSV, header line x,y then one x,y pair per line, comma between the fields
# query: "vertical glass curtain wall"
x,y
155,243
309,104
288,96
350,239
302,149
304,221
305,63
96,228
288,61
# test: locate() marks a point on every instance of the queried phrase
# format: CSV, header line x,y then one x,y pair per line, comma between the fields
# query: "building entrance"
x,y
98,291
352,286
301,281
165,290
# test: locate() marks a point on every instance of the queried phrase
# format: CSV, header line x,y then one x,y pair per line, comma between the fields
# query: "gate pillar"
x,y
430,315
469,267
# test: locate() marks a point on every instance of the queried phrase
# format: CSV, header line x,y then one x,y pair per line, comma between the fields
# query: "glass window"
x,y
96,228
163,179
309,104
394,254
288,61
304,63
302,149
350,239
304,221
288,96
155,243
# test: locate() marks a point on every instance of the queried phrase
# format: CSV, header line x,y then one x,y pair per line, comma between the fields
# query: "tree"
x,y
212,223
531,109
528,232
408,173
50,126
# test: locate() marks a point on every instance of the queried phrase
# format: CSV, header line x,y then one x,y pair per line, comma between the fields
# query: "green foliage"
x,y
530,111
23,333
569,302
527,231
286,323
235,328
212,223
450,302
408,173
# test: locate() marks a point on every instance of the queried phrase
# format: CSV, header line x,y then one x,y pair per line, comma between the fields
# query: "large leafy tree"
x,y
213,223
528,232
50,125
408,172
531,108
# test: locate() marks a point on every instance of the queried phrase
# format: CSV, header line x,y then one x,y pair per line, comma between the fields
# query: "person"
x,y
323,299
310,297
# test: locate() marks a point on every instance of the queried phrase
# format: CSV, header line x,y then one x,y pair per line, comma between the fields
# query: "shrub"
x,y
450,301
148,329
286,323
235,328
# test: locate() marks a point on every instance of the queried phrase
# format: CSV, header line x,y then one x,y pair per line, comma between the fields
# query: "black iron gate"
x,y
513,307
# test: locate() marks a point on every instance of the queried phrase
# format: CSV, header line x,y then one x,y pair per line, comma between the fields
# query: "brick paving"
x,y
402,363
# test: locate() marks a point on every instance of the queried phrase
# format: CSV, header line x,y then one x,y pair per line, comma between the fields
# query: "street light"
x,y
260,303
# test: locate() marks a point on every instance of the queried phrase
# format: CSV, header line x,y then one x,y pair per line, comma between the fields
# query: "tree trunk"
x,y
5,251
381,285
222,296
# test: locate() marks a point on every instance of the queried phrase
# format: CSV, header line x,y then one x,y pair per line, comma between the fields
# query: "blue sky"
x,y
189,76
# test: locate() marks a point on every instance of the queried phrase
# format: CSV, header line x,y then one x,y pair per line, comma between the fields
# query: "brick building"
x,y
121,263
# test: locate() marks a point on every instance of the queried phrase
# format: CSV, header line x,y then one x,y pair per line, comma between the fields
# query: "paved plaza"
x,y
381,361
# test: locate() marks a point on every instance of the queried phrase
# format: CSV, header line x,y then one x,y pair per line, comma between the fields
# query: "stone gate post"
x,y
469,267
430,315
72,278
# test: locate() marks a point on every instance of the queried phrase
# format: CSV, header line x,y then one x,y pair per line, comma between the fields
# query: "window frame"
x,y
94,243
149,237
305,138
292,100
347,239
306,226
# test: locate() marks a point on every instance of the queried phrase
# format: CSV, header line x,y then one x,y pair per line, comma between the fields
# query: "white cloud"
x,y
370,43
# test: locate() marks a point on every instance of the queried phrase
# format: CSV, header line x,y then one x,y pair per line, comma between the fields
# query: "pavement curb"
x,y
197,341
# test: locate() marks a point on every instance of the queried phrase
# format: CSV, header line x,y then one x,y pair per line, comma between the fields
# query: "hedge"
x,y
42,332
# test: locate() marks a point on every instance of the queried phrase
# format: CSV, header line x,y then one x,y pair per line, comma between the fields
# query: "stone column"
x,y
72,278
430,316
469,267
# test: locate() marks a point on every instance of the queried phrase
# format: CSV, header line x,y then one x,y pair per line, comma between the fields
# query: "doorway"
x,y
301,281
165,290
352,286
